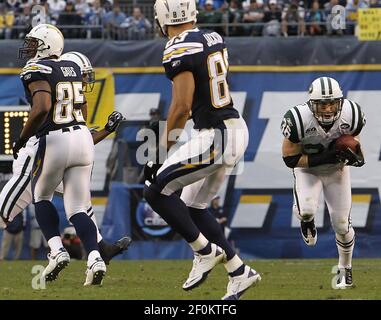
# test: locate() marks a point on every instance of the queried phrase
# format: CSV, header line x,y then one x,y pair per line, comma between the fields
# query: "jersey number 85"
x,y
68,94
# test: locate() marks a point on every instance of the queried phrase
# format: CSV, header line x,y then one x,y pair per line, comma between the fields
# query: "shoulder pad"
x,y
35,67
182,49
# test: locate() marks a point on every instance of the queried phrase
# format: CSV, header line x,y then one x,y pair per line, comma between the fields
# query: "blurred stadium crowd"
x,y
133,20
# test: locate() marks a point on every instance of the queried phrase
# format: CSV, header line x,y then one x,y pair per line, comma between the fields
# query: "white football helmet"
x,y
326,100
173,12
44,40
87,71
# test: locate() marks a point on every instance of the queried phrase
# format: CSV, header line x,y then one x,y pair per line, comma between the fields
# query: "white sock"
x,y
55,244
200,243
345,244
233,264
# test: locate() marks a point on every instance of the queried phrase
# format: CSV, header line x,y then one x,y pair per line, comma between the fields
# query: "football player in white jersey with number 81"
x,y
310,131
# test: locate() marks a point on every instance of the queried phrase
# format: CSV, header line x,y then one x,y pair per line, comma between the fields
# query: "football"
x,y
345,141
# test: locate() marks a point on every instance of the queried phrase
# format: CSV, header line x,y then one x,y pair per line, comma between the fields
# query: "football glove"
x,y
150,171
113,121
20,143
351,158
326,157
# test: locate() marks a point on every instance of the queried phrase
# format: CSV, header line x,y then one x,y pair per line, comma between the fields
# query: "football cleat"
x,y
202,265
344,278
56,264
239,284
109,251
95,272
309,232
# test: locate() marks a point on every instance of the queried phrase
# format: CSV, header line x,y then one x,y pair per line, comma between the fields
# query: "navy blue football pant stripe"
x,y
40,155
12,190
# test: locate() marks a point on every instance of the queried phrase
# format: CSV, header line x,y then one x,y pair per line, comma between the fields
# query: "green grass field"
x,y
160,280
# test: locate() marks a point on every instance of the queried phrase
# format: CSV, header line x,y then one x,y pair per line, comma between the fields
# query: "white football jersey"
x,y
300,126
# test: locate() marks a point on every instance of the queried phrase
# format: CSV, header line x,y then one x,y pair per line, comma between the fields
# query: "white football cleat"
x,y
309,232
95,272
344,278
202,265
56,264
239,284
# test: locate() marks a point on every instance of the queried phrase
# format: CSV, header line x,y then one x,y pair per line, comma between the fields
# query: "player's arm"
x,y
292,150
41,93
183,87
114,119
292,154
97,135
41,97
348,156
84,110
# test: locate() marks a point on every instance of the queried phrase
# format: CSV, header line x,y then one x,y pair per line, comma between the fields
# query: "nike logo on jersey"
x,y
68,72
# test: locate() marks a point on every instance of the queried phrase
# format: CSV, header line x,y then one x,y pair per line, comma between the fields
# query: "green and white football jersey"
x,y
300,126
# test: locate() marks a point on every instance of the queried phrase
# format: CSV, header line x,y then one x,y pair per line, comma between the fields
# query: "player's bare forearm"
x,y
98,136
84,111
290,149
40,108
176,120
182,98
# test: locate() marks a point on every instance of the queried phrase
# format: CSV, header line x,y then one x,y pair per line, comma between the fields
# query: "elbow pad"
x,y
292,161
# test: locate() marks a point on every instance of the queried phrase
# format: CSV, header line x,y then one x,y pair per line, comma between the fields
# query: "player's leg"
x,y
108,250
16,194
197,197
35,242
77,198
183,168
5,244
307,190
338,196
47,173
17,245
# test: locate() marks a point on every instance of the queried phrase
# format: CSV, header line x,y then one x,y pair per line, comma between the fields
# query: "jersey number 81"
x,y
219,88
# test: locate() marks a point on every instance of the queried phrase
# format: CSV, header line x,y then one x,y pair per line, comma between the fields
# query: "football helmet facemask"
x,y
43,41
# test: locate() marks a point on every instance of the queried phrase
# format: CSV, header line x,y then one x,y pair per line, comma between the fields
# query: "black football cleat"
x,y
109,251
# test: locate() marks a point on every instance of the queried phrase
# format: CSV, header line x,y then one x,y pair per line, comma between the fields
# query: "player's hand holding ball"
x,y
349,151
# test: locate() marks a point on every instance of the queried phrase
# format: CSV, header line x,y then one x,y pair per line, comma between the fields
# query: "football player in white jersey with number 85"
x,y
310,131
